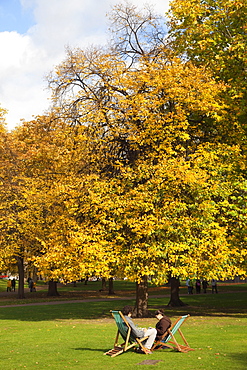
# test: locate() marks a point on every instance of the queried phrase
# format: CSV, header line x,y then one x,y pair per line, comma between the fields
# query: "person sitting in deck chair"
x,y
162,325
140,333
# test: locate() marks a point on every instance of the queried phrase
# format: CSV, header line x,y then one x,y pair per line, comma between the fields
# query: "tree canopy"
x,y
213,34
133,173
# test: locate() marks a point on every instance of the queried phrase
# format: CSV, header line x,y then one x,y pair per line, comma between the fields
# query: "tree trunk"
x,y
175,301
103,285
141,307
52,289
35,275
20,264
111,290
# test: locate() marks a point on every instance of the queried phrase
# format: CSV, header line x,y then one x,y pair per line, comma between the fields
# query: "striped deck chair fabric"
x,y
124,331
169,340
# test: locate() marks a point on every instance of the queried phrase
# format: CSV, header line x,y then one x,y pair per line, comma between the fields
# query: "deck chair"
x,y
168,339
124,330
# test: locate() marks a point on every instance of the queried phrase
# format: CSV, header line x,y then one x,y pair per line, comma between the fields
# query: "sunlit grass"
x,y
75,335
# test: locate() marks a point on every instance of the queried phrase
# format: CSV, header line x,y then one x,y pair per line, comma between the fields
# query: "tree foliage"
x,y
213,34
154,124
133,173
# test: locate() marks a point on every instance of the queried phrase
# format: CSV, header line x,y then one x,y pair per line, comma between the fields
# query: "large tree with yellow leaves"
x,y
160,197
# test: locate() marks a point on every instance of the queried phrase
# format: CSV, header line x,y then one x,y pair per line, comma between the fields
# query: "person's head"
x,y
159,314
127,310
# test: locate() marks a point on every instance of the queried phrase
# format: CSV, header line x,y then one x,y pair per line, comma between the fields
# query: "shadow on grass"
x,y
240,358
90,349
227,304
66,311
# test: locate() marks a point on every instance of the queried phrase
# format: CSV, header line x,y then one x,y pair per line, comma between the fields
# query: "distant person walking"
x,y
191,286
198,286
30,285
13,284
188,285
214,286
204,286
9,285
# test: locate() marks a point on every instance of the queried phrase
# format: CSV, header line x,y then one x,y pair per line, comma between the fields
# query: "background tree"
x,y
213,34
32,166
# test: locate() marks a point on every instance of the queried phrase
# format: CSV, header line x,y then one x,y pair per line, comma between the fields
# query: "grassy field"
x,y
75,335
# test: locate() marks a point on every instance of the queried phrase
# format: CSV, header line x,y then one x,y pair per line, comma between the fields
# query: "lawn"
x,y
75,335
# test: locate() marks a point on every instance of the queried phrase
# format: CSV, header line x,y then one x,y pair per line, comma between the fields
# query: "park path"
x,y
8,294
13,294
89,300
72,301
80,301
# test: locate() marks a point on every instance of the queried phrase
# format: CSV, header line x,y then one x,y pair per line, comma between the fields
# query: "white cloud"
x,y
22,85
28,58
66,22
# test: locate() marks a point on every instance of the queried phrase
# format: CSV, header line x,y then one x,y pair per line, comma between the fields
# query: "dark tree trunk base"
x,y
52,289
111,290
175,301
103,285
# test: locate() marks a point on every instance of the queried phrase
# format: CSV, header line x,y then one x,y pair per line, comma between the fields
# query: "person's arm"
x,y
135,331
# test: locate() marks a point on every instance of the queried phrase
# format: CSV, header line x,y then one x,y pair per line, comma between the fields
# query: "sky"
x,y
33,38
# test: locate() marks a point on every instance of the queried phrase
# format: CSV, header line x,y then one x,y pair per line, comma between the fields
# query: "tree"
x,y
136,33
32,168
46,149
5,248
213,34
12,206
153,120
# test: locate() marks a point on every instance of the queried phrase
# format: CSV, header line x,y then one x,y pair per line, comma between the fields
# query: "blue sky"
x,y
33,37
15,17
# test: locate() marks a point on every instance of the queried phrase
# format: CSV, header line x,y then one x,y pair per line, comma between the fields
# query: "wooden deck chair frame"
x,y
168,339
124,331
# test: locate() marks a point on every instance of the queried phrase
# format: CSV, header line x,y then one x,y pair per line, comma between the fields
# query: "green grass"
x,y
59,344
75,335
